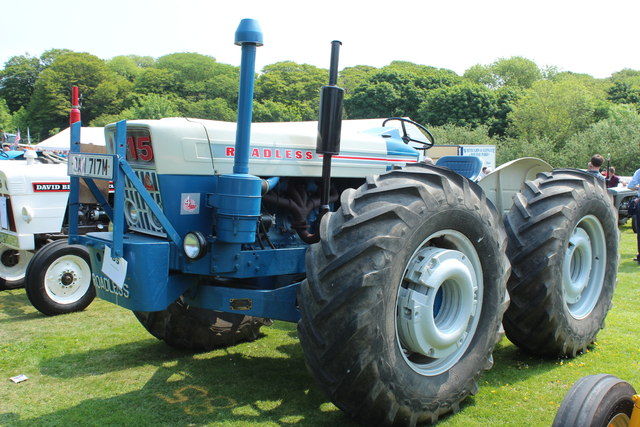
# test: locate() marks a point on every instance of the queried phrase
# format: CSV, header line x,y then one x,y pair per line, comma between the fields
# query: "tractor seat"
x,y
468,166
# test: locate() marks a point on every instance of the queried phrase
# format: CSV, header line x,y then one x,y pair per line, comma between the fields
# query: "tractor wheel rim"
x,y
67,279
439,303
10,269
620,420
584,267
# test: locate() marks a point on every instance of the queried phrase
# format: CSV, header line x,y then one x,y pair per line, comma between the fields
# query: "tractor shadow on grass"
x,y
512,365
116,358
172,387
259,382
15,305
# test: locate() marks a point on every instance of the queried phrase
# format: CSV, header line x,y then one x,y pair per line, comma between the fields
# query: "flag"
x,y
14,146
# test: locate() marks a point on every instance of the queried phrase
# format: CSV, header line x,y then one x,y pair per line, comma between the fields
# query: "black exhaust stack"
x,y
329,125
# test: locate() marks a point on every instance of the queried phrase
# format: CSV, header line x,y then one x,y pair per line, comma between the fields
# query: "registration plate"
x,y
85,165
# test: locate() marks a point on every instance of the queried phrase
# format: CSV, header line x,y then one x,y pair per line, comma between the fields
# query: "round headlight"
x,y
131,211
155,223
194,245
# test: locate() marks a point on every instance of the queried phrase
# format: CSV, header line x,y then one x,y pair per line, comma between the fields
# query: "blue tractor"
x,y
398,272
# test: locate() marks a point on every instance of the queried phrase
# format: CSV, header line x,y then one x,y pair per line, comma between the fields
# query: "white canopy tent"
x,y
62,140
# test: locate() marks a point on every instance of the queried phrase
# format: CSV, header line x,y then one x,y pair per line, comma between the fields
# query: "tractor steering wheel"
x,y
405,135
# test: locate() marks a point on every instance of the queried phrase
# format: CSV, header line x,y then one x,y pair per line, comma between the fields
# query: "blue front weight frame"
x,y
116,214
150,284
157,271
148,258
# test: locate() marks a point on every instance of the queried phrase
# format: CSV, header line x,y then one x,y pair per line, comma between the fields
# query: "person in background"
x,y
594,166
612,179
486,170
634,184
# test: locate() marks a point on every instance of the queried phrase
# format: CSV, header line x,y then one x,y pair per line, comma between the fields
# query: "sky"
x,y
591,37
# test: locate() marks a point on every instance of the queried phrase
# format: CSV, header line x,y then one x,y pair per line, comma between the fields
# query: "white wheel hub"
x,y
576,272
440,302
67,279
583,270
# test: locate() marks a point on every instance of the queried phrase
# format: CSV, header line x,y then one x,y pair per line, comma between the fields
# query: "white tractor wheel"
x,y
563,248
58,279
13,265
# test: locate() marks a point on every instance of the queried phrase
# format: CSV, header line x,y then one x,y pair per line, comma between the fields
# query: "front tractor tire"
x,y
58,279
404,296
197,329
13,265
596,400
563,248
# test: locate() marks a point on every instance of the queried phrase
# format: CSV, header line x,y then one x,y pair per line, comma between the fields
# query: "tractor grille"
x,y
145,221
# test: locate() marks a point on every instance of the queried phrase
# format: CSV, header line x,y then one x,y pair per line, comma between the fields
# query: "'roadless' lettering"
x,y
275,153
107,285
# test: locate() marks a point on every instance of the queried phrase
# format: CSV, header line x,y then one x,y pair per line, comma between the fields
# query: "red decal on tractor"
x,y
189,204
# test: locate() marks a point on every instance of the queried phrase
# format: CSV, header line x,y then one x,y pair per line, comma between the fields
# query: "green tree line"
x,y
524,110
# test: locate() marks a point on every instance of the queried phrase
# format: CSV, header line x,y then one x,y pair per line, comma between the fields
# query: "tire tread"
x,y
358,243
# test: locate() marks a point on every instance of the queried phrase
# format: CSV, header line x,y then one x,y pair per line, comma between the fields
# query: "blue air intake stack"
x,y
238,195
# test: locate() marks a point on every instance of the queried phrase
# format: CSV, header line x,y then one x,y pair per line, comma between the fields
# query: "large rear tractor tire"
x,y
13,265
404,296
198,329
563,248
596,401
58,279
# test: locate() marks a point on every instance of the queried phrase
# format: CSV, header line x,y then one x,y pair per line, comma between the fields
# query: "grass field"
x,y
100,367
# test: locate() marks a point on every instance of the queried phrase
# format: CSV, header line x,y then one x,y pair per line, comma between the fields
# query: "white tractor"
x,y
34,252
